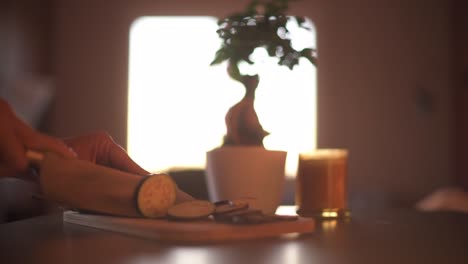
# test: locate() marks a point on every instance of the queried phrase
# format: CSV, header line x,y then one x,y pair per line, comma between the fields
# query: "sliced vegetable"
x,y
191,210
155,195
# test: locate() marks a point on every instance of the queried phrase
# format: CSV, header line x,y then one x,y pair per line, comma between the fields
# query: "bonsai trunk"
x,y
242,123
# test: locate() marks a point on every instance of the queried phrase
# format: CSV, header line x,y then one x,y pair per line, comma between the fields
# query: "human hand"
x,y
445,199
101,149
16,137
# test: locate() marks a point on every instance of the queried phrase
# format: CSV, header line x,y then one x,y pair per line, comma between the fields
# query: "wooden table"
x,y
391,236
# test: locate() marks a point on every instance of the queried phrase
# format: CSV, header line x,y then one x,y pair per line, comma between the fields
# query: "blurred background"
x,y
392,84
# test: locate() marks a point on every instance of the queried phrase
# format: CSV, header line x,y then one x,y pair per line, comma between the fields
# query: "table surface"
x,y
390,236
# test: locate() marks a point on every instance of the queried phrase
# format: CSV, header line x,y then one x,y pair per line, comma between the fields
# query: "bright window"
x,y
177,101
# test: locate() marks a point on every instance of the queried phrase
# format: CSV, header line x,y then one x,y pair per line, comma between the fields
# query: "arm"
x,y
16,137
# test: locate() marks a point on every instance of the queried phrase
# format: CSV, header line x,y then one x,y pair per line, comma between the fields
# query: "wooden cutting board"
x,y
200,231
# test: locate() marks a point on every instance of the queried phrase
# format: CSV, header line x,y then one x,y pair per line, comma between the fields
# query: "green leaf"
x,y
243,32
221,55
271,50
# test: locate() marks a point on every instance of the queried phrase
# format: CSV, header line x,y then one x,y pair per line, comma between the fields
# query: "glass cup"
x,y
321,184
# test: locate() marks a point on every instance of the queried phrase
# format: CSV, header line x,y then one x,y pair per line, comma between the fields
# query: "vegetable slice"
x,y
155,195
191,210
230,206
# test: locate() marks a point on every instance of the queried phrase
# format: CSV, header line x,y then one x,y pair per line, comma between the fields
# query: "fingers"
x,y
37,141
12,153
119,159
12,150
113,155
101,149
85,146
16,137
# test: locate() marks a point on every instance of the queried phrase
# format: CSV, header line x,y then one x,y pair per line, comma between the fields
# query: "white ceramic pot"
x,y
238,171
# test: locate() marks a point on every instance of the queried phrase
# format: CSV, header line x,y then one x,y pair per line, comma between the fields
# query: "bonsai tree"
x,y
261,25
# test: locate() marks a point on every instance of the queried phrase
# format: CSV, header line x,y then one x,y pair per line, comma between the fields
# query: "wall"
x,y
384,83
385,93
25,39
460,74
26,57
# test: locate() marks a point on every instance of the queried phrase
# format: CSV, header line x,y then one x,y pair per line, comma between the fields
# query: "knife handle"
x,y
34,157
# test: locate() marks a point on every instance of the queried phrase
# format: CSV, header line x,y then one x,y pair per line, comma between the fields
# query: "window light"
x,y
177,101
